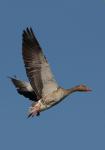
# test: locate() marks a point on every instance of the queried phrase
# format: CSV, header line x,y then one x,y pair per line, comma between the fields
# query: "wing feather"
x,y
24,88
37,67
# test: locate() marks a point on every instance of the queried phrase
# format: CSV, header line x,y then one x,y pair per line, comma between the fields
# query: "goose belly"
x,y
52,99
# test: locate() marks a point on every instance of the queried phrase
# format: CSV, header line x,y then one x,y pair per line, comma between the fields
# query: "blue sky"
x,y
72,34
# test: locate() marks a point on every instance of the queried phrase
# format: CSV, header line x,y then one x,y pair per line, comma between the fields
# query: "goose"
x,y
42,88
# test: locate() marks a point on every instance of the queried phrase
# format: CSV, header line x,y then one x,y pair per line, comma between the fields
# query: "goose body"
x,y
43,89
49,100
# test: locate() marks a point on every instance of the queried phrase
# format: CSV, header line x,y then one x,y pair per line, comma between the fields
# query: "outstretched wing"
x,y
24,88
37,67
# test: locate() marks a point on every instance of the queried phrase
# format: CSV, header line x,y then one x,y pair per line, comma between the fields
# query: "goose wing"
x,y
24,88
37,67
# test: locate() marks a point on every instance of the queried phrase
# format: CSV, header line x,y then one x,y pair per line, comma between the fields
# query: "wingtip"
x,y
31,30
28,30
27,33
14,77
9,77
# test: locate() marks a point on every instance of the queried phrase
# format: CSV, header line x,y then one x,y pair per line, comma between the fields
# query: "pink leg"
x,y
34,111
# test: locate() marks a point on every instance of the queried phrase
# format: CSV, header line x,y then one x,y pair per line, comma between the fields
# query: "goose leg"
x,y
34,111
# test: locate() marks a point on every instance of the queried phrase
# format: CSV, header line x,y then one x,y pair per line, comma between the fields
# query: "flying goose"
x,y
43,89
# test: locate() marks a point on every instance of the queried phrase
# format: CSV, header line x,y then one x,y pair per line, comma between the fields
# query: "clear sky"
x,y
72,34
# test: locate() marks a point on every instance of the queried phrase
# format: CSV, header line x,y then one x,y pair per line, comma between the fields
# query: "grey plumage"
x,y
37,67
24,88
43,88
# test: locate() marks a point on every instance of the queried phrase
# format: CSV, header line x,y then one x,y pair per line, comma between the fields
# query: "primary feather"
x,y
37,67
24,88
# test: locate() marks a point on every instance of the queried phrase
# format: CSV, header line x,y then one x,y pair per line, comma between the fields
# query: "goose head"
x,y
83,88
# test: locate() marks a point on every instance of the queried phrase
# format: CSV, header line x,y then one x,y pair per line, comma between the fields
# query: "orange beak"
x,y
88,90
